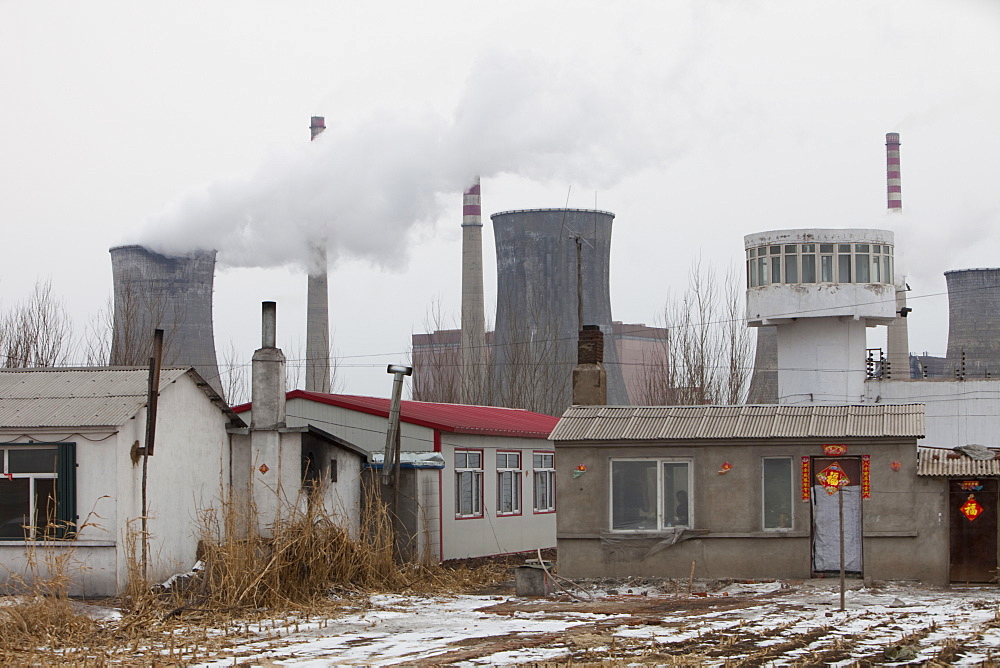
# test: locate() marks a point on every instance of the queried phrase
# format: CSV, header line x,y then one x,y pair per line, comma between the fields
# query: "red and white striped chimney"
x,y
473,311
894,187
316,126
472,210
897,336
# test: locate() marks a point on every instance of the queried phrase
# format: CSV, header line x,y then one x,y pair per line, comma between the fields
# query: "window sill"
x,y
57,543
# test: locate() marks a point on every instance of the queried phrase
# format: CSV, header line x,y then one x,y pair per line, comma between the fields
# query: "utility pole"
x,y
390,461
147,450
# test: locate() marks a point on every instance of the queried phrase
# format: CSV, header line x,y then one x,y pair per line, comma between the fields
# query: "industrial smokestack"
x,y
473,311
894,188
317,305
973,323
316,126
172,293
897,336
538,323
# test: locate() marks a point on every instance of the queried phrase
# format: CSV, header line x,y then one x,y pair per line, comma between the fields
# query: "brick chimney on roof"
x,y
590,380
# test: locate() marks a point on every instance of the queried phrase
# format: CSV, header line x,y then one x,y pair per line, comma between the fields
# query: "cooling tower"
x,y
172,293
973,323
537,320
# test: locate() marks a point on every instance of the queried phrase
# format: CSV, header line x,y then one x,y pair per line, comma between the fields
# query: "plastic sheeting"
x,y
826,529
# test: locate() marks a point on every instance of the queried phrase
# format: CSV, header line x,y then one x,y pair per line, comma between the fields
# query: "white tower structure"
x,y
820,288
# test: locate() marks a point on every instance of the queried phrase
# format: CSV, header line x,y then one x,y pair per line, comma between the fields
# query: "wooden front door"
x,y
972,515
826,515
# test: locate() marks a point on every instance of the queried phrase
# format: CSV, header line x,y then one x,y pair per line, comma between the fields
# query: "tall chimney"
x,y
268,464
894,189
473,311
268,375
317,305
897,336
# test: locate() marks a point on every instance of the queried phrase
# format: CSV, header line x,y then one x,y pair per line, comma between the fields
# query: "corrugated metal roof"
x,y
456,418
82,397
942,462
583,423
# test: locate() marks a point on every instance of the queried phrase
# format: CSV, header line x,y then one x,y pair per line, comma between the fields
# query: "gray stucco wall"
x,y
904,521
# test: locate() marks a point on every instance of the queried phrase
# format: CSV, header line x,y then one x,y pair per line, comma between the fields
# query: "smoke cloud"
x,y
360,189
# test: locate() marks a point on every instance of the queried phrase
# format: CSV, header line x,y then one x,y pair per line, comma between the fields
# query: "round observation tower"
x,y
820,289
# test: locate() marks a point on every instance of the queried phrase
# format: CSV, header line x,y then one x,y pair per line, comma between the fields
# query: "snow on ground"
x,y
773,622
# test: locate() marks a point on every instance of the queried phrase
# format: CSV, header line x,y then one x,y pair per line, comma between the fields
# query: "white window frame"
x,y
512,505
464,468
791,495
662,522
546,475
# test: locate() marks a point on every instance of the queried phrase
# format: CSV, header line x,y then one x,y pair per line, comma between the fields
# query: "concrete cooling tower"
x,y
172,293
537,320
973,323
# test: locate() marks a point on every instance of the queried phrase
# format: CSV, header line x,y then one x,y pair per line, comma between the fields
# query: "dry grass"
x,y
254,584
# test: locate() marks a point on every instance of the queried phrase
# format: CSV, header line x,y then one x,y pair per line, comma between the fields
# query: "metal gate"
x,y
972,516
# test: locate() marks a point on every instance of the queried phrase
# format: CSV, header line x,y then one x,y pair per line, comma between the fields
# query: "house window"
x,y
468,483
777,493
508,483
38,496
650,494
544,467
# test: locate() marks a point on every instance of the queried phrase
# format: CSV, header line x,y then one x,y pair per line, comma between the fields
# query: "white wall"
x,y
186,476
362,429
493,534
821,360
93,557
956,412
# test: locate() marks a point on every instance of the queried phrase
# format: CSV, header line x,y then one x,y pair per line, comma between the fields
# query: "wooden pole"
x,y
579,284
147,450
840,507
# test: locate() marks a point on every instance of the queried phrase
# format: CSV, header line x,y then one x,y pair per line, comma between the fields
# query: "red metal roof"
x,y
456,418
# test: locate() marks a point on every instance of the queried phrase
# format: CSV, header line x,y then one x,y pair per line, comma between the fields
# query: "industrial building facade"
x,y
641,352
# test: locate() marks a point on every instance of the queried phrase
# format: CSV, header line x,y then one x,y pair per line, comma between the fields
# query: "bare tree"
x,y
234,373
707,356
37,332
436,358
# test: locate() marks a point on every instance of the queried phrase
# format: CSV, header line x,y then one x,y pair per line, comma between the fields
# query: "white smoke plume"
x,y
360,189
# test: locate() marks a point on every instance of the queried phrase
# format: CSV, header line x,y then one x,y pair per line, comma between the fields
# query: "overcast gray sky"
x,y
694,122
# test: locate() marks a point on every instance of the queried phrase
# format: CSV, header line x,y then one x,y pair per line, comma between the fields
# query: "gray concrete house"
x,y
748,492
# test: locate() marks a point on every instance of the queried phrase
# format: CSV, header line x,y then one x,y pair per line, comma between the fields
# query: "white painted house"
x,y
496,491
72,480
